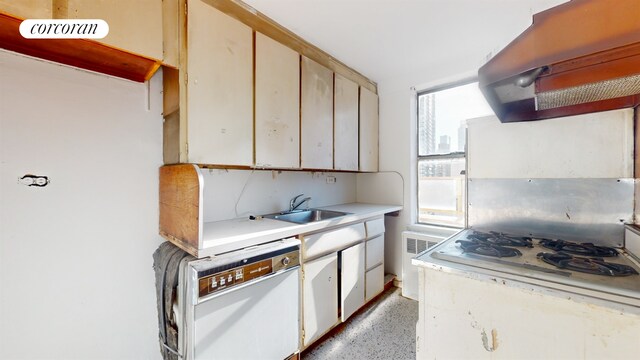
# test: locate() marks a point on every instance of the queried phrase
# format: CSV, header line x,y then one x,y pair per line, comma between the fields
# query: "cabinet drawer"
x,y
374,280
334,240
374,227
375,251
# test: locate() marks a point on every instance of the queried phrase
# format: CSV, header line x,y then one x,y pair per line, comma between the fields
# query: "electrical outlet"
x,y
331,179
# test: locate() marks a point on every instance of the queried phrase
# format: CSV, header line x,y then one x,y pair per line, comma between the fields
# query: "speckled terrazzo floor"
x,y
383,330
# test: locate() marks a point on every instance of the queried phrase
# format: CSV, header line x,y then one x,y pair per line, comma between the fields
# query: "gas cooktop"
x,y
572,263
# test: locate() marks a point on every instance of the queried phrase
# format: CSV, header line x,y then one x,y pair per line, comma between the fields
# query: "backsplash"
x,y
231,194
585,210
568,177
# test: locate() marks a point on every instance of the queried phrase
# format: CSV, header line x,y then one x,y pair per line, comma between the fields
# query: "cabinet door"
x,y
220,88
27,9
320,296
277,118
352,280
134,26
345,135
368,130
316,116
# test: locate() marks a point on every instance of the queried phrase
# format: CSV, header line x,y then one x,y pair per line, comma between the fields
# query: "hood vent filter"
x,y
579,57
603,90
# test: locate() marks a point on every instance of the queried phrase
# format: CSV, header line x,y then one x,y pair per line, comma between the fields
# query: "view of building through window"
x,y
442,122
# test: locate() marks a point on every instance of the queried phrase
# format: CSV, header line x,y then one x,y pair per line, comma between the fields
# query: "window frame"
x,y
448,156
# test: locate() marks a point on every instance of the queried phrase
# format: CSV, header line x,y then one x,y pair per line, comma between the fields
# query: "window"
x,y
442,123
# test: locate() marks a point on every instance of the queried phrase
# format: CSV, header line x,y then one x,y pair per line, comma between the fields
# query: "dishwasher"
x,y
240,305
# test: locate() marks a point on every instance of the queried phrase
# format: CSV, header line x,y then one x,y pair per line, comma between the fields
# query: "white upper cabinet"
x,y
345,124
234,96
134,26
316,116
277,108
27,9
220,88
368,131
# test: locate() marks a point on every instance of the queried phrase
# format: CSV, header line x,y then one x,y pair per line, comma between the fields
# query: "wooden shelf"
x,y
82,53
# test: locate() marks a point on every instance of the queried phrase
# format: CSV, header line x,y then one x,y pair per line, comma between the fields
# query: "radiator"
x,y
413,243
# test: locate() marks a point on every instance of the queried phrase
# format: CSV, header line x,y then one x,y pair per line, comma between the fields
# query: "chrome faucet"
x,y
292,203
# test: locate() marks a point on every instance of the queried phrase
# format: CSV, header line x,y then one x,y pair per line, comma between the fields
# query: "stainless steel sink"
x,y
306,216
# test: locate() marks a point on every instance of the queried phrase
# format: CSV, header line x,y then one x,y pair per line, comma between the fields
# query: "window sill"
x,y
433,230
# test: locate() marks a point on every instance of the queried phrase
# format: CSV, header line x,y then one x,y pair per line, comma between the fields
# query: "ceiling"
x,y
383,39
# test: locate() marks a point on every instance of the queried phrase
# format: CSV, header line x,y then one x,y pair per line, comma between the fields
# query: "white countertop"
x,y
228,235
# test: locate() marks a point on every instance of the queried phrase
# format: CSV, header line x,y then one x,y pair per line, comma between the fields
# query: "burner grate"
x,y
596,266
487,249
501,239
584,249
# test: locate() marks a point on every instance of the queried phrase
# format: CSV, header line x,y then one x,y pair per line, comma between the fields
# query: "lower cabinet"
x,y
352,280
320,296
342,268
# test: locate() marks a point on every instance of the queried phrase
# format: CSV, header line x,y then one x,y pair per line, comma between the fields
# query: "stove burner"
x,y
584,249
501,239
487,249
595,266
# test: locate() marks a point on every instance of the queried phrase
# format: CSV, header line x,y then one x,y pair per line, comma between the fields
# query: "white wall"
x,y
230,194
384,188
397,91
75,256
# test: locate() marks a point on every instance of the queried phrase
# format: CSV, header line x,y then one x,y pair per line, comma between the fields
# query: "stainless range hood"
x,y
579,57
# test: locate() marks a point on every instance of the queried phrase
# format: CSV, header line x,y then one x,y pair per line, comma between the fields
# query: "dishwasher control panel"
x,y
242,269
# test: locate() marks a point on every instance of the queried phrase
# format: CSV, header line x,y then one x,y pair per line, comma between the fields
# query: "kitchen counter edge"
x,y
229,235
